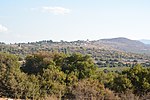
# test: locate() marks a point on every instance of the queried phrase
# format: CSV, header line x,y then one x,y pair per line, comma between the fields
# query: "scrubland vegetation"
x,y
52,75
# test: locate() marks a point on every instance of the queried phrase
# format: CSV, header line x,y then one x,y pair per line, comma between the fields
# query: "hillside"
x,y
125,45
116,44
106,52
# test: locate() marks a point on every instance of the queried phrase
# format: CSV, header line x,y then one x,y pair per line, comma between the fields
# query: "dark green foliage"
x,y
52,82
135,79
37,62
81,66
8,72
139,77
56,70
121,84
43,75
14,83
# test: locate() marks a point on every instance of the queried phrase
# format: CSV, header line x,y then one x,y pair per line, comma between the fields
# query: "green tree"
x,y
82,66
52,82
37,62
121,84
9,65
139,77
13,82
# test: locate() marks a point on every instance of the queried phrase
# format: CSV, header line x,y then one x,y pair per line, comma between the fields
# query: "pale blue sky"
x,y
34,20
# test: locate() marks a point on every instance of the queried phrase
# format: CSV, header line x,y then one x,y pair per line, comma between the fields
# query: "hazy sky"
x,y
34,20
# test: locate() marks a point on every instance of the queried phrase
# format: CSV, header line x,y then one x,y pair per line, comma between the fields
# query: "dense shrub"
x,y
47,75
